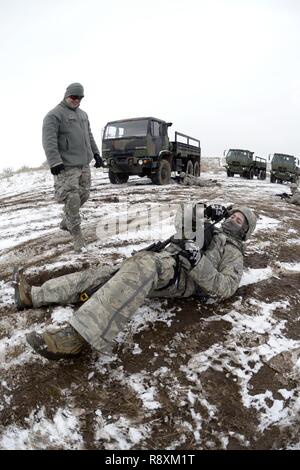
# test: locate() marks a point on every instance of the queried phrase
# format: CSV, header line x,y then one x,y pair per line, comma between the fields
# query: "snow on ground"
x,y
183,375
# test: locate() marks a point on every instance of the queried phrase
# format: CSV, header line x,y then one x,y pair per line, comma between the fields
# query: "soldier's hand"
x,y
215,212
55,170
99,162
190,255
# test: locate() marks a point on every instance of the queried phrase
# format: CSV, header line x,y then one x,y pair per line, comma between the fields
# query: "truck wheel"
x,y
251,174
189,168
117,178
196,169
163,174
229,173
272,179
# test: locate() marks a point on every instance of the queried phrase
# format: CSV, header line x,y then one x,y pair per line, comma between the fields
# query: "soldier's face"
x,y
238,218
74,101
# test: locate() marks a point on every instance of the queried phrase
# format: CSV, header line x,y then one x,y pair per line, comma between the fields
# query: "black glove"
x,y
55,170
215,212
208,234
98,160
190,254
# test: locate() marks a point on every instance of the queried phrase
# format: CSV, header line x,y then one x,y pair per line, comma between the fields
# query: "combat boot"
x,y
22,290
63,225
78,240
64,343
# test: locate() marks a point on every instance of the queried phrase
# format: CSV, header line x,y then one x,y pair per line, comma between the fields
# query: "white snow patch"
x,y
119,435
251,276
42,433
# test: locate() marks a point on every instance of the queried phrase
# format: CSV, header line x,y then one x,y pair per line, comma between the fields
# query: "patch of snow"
x,y
251,276
42,433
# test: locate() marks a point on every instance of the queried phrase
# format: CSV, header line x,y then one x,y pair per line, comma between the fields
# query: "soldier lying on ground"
x,y
182,269
294,198
190,180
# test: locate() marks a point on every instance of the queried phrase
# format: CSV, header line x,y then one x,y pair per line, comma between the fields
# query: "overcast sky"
x,y
224,71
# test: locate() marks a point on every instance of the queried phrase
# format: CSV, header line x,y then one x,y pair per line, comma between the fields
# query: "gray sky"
x,y
224,71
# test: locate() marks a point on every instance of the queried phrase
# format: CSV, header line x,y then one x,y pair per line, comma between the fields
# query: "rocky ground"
x,y
184,375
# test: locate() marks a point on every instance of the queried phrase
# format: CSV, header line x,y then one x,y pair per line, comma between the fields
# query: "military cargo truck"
x,y
141,146
284,168
243,163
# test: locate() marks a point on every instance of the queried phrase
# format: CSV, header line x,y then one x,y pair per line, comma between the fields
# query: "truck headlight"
x,y
140,162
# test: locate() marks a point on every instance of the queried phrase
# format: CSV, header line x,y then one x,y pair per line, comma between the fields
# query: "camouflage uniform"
x,y
68,141
72,188
295,197
145,274
190,180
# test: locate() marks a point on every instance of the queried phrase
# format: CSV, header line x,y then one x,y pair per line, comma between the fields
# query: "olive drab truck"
x,y
284,168
141,146
244,163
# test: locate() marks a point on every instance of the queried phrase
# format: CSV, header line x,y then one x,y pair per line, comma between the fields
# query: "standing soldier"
x,y
70,146
180,270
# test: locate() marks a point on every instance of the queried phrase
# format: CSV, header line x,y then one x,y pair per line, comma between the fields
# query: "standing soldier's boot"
x,y
78,240
63,225
64,343
22,290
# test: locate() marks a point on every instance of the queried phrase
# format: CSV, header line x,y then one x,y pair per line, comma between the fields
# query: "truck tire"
x,y
229,174
251,174
163,174
117,178
272,179
196,169
189,168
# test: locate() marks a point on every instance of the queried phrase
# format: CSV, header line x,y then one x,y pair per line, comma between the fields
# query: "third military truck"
x,y
284,168
244,163
141,146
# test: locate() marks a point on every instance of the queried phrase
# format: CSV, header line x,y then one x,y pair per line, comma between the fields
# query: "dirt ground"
x,y
85,387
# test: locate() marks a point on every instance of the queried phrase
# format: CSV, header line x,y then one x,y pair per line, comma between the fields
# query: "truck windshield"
x,y
118,130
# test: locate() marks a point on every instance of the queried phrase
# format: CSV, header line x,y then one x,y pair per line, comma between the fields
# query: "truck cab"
x,y
284,168
141,146
244,163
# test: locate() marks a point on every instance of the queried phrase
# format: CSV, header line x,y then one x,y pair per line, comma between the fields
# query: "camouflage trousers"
x,y
101,318
72,188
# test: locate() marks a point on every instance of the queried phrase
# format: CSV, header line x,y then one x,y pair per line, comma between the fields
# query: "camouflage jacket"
x,y
219,272
295,198
67,137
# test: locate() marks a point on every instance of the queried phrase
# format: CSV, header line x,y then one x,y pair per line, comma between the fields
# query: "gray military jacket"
x,y
67,137
219,272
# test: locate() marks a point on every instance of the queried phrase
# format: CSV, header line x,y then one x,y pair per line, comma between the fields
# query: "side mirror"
x,y
224,153
169,124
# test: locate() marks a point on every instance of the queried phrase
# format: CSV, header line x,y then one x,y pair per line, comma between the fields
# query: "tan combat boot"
x,y
78,240
22,290
65,343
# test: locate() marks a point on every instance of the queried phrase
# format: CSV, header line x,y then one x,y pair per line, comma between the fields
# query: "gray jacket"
x,y
67,137
219,272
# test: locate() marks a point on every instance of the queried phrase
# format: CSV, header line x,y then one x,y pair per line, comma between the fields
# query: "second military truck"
x,y
141,146
284,168
244,163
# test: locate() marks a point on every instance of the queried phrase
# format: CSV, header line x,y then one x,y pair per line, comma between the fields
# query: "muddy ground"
x,y
200,410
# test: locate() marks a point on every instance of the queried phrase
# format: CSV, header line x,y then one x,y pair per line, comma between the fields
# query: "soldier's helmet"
x,y
294,187
250,217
